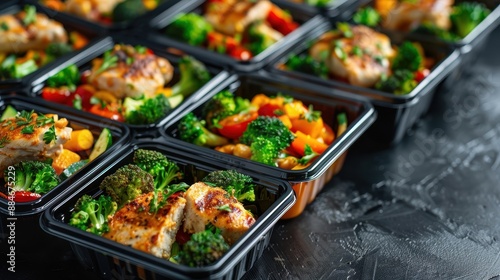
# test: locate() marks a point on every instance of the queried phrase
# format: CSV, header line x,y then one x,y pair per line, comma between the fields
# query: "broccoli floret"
x,y
367,16
145,110
264,151
221,105
155,163
259,37
307,64
190,28
9,69
69,76
408,57
238,184
127,183
92,215
34,176
58,49
128,10
400,82
202,248
194,75
193,130
432,29
466,16
269,128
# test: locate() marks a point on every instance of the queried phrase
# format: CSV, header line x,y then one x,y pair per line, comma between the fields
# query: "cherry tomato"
x,y
234,126
85,92
421,74
110,112
58,95
269,109
25,196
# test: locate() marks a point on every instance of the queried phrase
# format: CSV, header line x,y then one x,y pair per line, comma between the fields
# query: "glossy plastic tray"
x,y
26,214
157,25
110,259
107,27
83,61
11,7
306,182
333,9
396,113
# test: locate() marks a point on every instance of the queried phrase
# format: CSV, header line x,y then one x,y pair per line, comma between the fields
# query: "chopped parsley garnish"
x,y
4,26
109,60
50,135
30,16
4,141
224,207
28,129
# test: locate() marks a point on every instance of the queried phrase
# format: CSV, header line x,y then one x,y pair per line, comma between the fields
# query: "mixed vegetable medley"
x,y
274,130
40,151
127,84
103,11
317,3
29,40
240,29
152,205
361,56
442,18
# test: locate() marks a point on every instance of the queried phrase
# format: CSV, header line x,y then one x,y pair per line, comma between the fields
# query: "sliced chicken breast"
x,y
408,15
154,233
360,59
16,146
206,204
133,74
18,38
232,18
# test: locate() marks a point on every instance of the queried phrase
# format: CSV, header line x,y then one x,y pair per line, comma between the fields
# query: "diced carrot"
x,y
80,140
312,128
64,159
57,5
78,41
301,140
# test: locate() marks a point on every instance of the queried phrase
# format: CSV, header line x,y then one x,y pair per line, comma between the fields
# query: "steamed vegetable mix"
x,y
361,56
127,84
29,40
239,29
107,11
149,205
40,151
445,19
274,130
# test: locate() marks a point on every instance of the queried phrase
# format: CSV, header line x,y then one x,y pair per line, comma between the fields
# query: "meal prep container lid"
x,y
84,58
11,7
158,23
51,220
365,116
439,71
120,134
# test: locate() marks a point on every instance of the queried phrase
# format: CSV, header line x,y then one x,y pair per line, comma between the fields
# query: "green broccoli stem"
x,y
212,139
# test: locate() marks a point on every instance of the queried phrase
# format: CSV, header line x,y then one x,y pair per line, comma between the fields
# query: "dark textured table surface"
x,y
428,208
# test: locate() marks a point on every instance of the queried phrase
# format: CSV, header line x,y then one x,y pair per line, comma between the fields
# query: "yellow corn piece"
x,y
81,140
64,159
165,91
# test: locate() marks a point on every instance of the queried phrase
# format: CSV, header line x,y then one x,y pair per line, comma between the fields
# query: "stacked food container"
x,y
260,88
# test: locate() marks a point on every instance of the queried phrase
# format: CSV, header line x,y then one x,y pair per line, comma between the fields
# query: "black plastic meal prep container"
x,y
11,7
470,46
156,32
395,113
83,61
107,27
110,259
333,9
30,239
306,182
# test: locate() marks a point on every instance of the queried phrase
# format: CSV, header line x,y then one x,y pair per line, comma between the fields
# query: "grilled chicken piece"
x,y
154,233
408,15
231,18
144,75
203,206
16,146
18,38
91,9
360,59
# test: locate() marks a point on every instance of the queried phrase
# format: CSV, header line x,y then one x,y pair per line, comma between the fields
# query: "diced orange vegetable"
x,y
78,41
301,140
80,140
165,91
64,159
327,134
105,96
312,128
294,109
57,5
286,121
259,100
